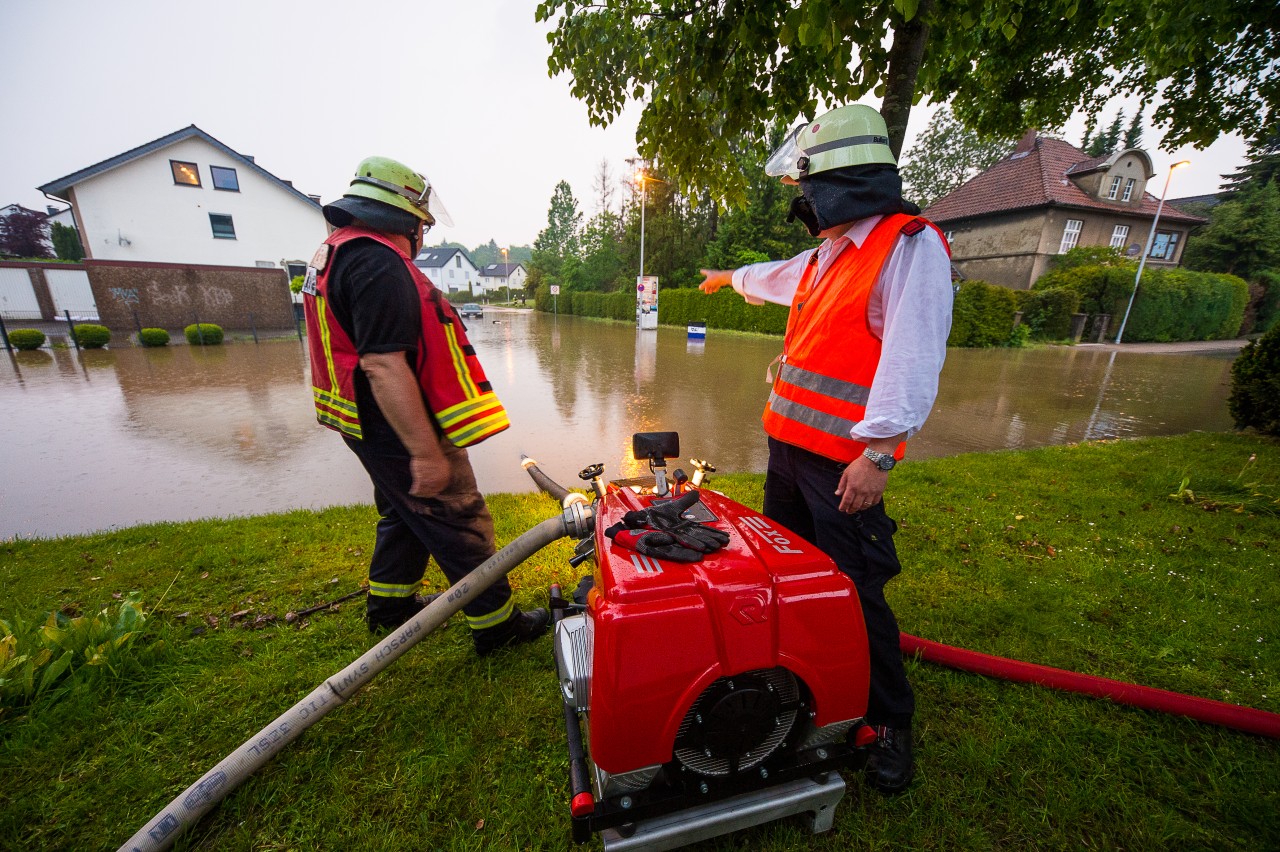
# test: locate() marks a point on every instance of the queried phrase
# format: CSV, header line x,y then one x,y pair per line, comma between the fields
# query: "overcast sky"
x,y
458,90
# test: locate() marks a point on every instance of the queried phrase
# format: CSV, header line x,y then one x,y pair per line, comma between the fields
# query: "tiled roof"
x,y
500,270
1038,178
60,186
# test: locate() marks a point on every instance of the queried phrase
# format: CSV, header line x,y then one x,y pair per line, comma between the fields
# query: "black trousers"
x,y
454,527
800,494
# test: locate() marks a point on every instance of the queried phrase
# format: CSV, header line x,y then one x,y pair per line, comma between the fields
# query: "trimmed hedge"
x,y
1255,385
26,339
205,334
92,336
677,306
1171,304
153,337
1047,313
982,315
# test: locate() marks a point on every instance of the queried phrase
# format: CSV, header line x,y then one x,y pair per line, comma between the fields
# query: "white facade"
x,y
493,276
134,207
450,270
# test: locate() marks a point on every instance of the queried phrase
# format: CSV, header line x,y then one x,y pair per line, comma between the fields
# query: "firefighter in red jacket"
x,y
393,372
865,342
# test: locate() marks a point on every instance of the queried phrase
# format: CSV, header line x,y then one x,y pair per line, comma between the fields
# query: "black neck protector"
x,y
846,195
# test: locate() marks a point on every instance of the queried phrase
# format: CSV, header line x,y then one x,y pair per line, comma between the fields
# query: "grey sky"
x,y
458,90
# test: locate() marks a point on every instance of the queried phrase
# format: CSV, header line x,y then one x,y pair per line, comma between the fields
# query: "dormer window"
x,y
1115,188
1128,190
185,174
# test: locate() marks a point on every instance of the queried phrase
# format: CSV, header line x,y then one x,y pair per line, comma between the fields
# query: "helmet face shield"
x,y
429,201
395,184
782,162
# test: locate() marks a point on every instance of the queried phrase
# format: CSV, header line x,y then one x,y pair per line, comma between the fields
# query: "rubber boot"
x,y
521,627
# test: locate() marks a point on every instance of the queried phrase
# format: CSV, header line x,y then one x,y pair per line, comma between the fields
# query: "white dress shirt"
x,y
909,310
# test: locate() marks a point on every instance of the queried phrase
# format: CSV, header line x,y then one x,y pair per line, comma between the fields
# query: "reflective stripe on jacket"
x,y
457,394
830,355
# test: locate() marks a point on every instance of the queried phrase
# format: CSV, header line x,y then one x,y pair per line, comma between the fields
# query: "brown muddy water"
x,y
111,438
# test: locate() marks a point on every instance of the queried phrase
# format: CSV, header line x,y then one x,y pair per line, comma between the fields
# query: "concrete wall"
x,y
173,296
136,212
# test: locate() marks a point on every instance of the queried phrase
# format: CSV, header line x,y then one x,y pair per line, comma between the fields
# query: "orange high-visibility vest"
x,y
830,355
453,384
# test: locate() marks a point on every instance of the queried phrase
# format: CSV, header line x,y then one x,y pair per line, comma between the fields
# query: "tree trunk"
x,y
905,58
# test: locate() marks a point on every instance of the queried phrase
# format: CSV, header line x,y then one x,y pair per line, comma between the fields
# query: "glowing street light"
x,y
1150,239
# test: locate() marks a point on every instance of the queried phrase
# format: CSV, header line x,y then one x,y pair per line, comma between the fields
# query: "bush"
x,y
26,339
1047,313
296,282
1255,385
204,334
982,315
92,336
1266,307
153,337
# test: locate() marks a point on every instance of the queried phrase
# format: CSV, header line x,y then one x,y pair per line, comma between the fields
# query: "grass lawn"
x,y
1075,557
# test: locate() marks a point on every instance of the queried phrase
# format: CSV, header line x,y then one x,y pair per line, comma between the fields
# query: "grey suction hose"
x,y
563,495
198,799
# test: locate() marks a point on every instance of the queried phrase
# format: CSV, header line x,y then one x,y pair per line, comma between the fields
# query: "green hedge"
x,y
92,336
1255,385
982,315
676,306
205,334
26,339
153,337
1047,313
1171,304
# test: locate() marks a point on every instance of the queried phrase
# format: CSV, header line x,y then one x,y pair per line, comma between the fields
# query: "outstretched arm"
x,y
715,279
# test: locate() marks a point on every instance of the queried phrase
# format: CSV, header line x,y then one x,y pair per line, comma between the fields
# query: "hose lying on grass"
x,y
198,799
1148,698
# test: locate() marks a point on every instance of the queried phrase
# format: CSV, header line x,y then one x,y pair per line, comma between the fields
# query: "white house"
x,y
450,269
510,275
187,198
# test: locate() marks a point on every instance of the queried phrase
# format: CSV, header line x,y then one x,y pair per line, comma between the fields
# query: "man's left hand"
x,y
861,485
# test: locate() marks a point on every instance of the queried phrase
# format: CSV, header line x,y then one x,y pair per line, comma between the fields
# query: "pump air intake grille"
x,y
738,722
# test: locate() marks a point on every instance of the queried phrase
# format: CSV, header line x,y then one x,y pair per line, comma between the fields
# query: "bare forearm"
x,y
396,391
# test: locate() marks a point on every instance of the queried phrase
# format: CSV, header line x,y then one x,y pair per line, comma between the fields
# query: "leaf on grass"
x,y
479,824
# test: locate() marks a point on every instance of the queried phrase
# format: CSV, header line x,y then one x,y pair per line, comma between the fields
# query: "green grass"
x,y
1075,557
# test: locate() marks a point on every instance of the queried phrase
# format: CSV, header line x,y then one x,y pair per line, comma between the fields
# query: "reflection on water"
x,y
111,438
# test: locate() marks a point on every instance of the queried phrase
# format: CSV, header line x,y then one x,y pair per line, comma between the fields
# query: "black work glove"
x,y
667,517
652,543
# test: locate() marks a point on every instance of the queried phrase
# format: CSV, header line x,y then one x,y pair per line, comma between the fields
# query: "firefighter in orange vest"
x,y
393,372
865,342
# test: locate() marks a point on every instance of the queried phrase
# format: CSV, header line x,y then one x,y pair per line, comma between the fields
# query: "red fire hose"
x,y
1201,709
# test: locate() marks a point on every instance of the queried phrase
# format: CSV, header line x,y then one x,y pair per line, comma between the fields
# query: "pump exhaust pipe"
x,y
200,798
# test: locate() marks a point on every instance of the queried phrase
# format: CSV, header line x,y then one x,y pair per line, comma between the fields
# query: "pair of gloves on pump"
x,y
661,531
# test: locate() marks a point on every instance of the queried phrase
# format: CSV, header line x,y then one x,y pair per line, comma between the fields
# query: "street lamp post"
x,y
506,271
1150,239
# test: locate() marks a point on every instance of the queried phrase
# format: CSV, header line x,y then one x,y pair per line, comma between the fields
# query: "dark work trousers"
x,y
800,494
454,527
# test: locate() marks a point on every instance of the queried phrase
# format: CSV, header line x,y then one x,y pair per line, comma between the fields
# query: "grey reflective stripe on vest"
x,y
825,385
803,414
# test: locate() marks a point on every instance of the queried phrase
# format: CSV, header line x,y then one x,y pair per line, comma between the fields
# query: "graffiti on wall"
x,y
128,295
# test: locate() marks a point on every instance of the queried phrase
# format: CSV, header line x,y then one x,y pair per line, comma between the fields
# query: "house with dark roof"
x,y
451,269
1048,197
187,198
510,275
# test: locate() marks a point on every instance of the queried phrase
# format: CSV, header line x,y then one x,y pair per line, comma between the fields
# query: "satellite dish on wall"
x,y
1132,250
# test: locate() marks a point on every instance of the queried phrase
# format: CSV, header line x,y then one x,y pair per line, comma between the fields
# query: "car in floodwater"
x,y
471,309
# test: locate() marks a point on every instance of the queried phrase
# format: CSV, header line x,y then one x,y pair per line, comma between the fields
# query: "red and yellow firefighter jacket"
x,y
830,354
457,394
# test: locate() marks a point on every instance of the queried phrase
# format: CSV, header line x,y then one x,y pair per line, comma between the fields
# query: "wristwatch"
x,y
884,461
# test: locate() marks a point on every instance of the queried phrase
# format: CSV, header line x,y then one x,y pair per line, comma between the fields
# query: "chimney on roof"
x,y
1027,142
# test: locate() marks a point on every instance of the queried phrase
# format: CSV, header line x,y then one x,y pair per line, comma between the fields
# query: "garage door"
x,y
17,297
71,293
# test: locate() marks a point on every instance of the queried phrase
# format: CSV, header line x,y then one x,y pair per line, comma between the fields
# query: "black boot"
x,y
382,618
519,628
890,764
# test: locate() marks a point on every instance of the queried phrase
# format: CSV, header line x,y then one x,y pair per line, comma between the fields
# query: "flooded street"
x,y
111,438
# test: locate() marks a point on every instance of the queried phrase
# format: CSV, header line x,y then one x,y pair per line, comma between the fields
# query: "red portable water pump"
x,y
718,693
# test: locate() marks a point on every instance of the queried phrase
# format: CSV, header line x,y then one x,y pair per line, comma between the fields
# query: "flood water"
x,y
106,439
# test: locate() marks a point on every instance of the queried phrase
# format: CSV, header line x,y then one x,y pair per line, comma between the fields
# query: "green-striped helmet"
x,y
391,182
853,135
